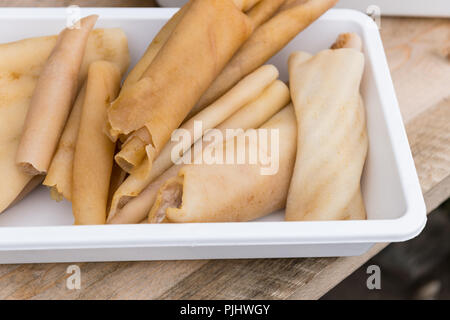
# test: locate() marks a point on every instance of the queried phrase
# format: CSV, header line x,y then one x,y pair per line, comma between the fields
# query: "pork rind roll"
x,y
231,192
21,63
94,151
332,139
203,41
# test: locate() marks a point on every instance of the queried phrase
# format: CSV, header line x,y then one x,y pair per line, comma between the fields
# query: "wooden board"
x,y
418,52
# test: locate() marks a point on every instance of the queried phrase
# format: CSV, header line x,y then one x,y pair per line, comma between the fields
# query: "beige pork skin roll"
x,y
94,150
230,193
332,137
21,63
52,99
199,47
59,176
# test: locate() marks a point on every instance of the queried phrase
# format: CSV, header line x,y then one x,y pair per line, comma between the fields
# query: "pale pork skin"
x,y
21,63
94,151
332,139
52,99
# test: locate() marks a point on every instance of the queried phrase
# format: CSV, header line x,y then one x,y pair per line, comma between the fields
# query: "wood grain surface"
x,y
418,52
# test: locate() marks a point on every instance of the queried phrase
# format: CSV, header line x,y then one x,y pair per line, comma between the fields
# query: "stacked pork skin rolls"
x,y
322,149
201,130
147,111
247,105
272,28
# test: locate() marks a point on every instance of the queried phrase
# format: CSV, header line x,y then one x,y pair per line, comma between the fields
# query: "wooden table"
x,y
418,51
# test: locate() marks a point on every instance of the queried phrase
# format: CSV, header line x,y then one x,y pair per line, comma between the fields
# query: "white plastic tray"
x,y
39,229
